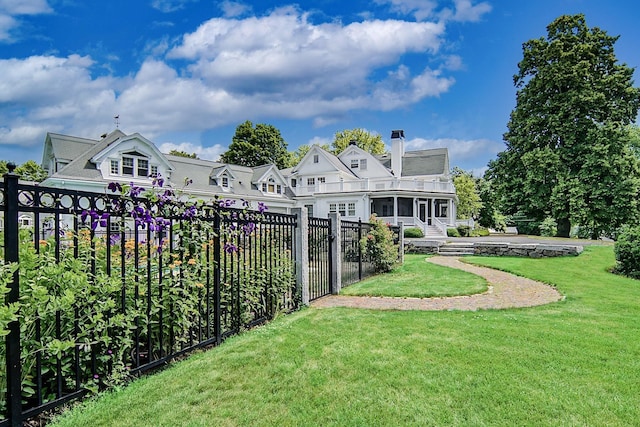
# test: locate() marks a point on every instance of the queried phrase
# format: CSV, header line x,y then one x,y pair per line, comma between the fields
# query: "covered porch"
x,y
431,214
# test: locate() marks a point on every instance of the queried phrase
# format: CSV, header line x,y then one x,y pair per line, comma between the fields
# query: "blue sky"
x,y
185,73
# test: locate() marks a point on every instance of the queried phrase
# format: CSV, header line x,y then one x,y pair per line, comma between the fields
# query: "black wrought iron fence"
x,y
355,265
320,255
105,290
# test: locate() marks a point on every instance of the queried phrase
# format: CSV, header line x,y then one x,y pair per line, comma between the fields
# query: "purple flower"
x,y
135,191
96,219
96,376
189,212
115,187
245,203
249,228
230,248
103,219
262,207
158,181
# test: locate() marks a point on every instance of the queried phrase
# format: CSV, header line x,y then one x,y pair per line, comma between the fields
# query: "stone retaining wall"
x,y
428,247
532,250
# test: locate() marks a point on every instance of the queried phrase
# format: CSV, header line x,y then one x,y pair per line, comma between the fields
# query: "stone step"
x,y
456,249
455,253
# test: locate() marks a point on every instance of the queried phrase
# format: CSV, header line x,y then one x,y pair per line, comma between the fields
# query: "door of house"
x,y
424,211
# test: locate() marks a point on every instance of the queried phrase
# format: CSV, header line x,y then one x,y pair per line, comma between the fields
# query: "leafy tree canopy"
x,y
181,153
568,152
28,171
366,140
256,146
469,203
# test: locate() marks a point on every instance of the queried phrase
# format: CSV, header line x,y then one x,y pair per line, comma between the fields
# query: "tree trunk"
x,y
564,227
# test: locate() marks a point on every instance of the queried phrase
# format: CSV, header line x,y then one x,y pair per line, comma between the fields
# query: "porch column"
x,y
433,210
452,217
395,209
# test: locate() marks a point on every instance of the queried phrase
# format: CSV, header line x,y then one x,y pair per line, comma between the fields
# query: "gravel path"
x,y
505,290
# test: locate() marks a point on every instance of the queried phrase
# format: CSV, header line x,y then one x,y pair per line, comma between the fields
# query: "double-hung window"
x,y
132,165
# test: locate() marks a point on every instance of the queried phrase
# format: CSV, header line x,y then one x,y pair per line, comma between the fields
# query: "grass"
x,y
419,279
575,362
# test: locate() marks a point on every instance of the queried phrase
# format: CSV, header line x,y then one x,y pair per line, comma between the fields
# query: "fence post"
x,y
336,250
217,257
359,249
11,254
302,254
401,242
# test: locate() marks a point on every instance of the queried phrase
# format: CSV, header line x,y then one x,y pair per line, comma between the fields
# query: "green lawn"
x,y
420,279
575,362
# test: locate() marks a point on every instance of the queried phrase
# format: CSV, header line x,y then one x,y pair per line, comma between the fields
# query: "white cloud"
x,y
233,9
168,6
466,11
421,9
24,7
7,23
462,10
278,66
22,134
320,69
205,153
9,9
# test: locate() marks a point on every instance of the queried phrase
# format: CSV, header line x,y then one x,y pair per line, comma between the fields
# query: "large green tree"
x,y
366,140
469,203
256,146
28,171
568,150
182,153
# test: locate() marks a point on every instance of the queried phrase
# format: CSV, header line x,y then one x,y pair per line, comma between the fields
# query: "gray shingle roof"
x,y
421,162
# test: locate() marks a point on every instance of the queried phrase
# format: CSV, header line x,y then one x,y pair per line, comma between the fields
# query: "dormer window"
x,y
354,164
271,187
316,158
225,181
133,165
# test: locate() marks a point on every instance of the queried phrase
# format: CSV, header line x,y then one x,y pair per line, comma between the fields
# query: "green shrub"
x,y
453,232
464,230
413,232
479,232
627,250
378,246
548,227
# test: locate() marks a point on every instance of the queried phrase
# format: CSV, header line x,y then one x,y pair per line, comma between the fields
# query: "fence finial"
x,y
11,167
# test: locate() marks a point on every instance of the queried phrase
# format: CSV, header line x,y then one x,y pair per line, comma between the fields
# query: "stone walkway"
x,y
505,290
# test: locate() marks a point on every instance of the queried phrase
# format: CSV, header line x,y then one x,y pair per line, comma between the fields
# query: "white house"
x,y
412,187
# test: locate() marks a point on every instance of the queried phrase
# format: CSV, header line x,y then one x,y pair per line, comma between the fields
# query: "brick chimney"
x,y
397,151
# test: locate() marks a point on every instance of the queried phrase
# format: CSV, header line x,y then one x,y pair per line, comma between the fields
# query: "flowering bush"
x,y
378,246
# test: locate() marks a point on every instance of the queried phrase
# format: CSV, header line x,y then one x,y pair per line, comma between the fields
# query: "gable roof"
x,y
361,154
64,147
421,162
330,157
219,170
106,148
81,165
260,173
